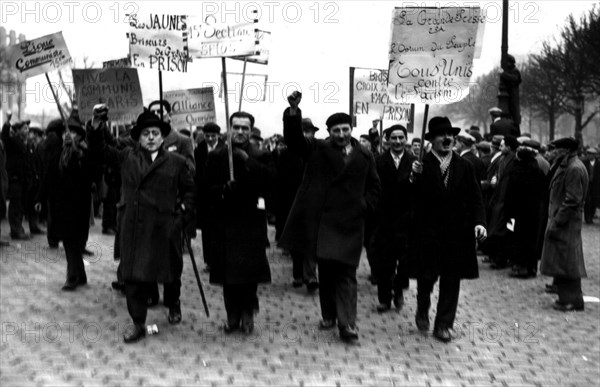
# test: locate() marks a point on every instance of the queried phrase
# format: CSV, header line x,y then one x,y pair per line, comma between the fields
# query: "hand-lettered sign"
x,y
191,107
117,63
38,56
159,42
431,53
119,88
263,39
208,39
369,96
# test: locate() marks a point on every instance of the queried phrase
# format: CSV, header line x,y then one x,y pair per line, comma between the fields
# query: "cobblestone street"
x,y
509,334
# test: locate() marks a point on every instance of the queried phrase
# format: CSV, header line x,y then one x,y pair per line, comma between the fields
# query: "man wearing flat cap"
x,y
592,200
562,255
465,147
206,211
449,219
157,199
327,220
393,219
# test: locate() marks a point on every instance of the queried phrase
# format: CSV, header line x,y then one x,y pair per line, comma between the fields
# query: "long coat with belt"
x,y
328,215
445,220
240,227
562,255
150,212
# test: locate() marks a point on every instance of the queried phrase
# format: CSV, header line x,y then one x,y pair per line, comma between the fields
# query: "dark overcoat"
x,y
524,202
445,219
150,213
498,216
205,211
562,255
240,227
478,166
394,214
328,215
290,170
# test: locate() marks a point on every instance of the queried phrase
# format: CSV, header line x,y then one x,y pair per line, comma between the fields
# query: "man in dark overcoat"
x,y
394,219
206,212
592,200
240,261
450,217
562,255
157,199
327,220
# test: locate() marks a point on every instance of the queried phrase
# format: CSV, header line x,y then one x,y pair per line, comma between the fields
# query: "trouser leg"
x,y
136,294
249,303
310,268
297,265
385,279
15,208
231,296
424,289
327,290
447,302
345,294
569,290
75,266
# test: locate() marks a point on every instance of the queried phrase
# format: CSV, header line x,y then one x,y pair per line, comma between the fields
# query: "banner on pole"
x,y
369,96
431,53
255,86
117,63
208,39
38,56
119,88
263,45
191,107
159,42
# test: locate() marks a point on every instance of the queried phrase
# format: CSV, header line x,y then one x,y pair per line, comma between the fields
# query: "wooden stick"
x,y
225,97
160,93
423,132
243,81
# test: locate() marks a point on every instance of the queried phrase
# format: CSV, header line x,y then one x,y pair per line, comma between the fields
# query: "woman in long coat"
x,y
562,255
524,202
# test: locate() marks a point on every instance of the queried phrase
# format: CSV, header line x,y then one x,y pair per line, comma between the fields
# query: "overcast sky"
x,y
314,44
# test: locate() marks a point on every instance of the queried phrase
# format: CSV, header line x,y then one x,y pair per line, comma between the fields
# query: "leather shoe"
x,y
136,334
552,289
442,334
422,320
36,231
372,279
109,231
175,313
399,301
152,302
349,333
230,328
248,328
568,307
326,324
87,252
382,308
312,286
120,286
297,283
20,236
70,285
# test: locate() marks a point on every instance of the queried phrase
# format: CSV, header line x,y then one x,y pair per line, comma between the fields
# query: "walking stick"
x,y
189,246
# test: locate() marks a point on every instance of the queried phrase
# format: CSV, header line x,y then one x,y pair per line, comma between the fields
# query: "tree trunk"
x,y
551,126
578,115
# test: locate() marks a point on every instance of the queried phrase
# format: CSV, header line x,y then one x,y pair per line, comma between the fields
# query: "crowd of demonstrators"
x,y
420,210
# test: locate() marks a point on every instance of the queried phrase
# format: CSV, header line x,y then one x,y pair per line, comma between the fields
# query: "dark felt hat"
x,y
512,142
146,120
440,125
307,125
74,123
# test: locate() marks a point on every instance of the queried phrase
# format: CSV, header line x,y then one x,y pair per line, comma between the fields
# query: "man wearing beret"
x,y
449,219
562,255
327,220
157,199
394,219
206,212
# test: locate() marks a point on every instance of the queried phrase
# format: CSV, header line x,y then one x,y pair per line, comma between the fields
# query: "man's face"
x,y
23,132
504,149
442,143
416,148
151,138
308,134
397,141
340,134
366,143
240,130
156,110
211,138
560,152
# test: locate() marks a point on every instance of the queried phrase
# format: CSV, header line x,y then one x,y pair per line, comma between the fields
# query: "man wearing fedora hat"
x,y
157,200
562,254
450,218
339,187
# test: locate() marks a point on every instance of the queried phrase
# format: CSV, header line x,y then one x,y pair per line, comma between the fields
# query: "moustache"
x,y
447,142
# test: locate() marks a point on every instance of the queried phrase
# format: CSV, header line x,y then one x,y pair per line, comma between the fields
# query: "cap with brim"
x,y
20,124
592,151
532,144
147,120
568,143
439,126
465,138
211,127
495,111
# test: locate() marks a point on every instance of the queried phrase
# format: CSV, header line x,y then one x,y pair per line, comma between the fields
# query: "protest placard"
x,y
119,88
38,56
159,42
209,39
431,53
263,45
369,96
117,63
191,107
255,86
